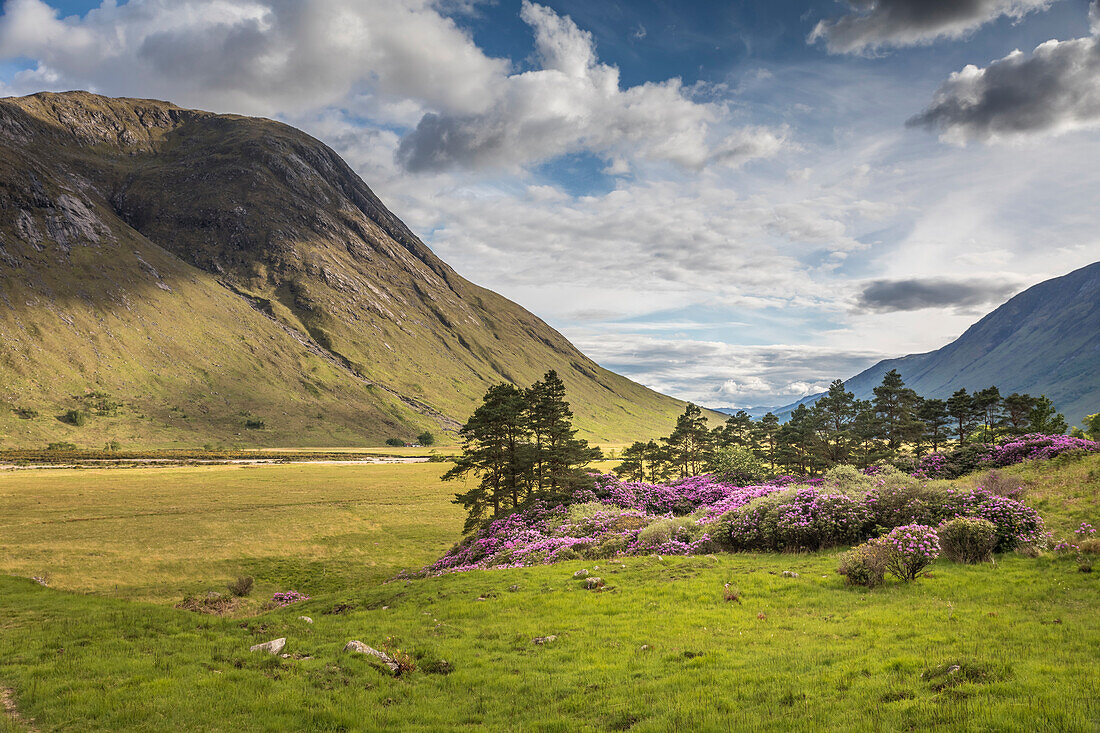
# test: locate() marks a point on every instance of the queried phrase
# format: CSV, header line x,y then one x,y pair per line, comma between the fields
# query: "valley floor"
x,y
1009,646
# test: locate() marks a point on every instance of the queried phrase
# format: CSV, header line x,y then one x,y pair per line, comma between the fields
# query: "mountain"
x,y
1046,340
185,277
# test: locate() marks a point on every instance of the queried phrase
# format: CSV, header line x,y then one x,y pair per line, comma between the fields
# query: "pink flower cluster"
x,y
913,547
286,598
1032,447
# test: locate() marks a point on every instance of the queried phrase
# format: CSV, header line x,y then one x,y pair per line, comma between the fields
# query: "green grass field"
x,y
658,649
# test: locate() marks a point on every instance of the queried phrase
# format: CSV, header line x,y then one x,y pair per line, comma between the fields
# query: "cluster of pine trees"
x,y
838,428
521,445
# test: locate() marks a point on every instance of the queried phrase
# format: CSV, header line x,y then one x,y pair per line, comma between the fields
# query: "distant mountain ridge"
x,y
182,277
1045,340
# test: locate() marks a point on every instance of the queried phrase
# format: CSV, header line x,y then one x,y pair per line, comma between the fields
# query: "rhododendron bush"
x,y
1034,447
703,514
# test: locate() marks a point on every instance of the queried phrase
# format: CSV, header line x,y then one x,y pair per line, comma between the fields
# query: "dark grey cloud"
x,y
1055,89
885,296
875,24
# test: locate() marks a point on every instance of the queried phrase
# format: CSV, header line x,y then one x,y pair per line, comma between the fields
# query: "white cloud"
x,y
572,103
257,56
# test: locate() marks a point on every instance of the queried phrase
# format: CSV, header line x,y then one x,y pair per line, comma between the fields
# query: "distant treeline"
x,y
839,429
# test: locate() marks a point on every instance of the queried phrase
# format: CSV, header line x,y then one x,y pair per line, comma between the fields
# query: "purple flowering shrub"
x,y
799,519
703,513
912,548
1033,447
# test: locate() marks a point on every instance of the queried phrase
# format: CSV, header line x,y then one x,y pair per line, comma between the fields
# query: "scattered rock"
x,y
790,574
582,573
544,639
513,588
593,583
307,619
271,647
645,647
360,648
41,581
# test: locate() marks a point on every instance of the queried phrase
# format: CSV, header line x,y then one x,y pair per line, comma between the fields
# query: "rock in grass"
x,y
307,619
582,573
544,639
593,583
271,647
360,648
790,574
513,588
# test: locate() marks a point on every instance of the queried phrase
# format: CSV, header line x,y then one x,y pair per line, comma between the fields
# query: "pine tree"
x,y
734,431
836,411
933,414
560,455
768,428
1018,412
987,406
1045,419
960,406
492,448
690,442
895,405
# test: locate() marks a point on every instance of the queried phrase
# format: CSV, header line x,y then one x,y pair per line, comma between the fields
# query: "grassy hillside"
x,y
1009,646
230,280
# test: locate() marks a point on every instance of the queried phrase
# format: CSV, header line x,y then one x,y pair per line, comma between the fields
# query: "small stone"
x,y
513,588
544,639
645,647
307,619
271,647
790,574
385,608
593,583
360,648
582,573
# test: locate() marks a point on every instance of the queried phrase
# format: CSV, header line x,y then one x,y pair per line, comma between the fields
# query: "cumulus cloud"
x,y
402,63
875,24
256,56
572,103
1054,90
916,294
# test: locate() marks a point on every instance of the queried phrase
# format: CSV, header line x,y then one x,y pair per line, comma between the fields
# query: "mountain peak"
x,y
117,205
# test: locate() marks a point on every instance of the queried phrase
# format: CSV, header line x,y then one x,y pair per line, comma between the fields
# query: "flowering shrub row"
x,y
969,458
704,514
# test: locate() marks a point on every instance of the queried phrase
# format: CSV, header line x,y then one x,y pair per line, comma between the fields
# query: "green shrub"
x,y
682,529
865,564
254,423
425,438
61,446
609,548
968,540
737,465
77,418
395,442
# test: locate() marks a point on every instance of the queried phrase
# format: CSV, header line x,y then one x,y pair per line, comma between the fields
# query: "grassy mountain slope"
x,y
1046,340
235,270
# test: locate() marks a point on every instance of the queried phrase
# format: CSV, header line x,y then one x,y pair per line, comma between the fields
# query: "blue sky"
x,y
733,202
